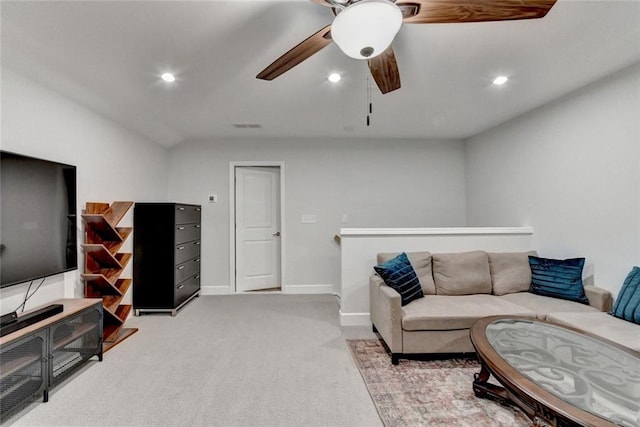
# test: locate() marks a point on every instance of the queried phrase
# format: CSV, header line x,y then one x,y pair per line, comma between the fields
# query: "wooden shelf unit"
x,y
104,265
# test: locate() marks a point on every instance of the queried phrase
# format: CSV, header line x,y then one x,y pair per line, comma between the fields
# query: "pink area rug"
x,y
427,393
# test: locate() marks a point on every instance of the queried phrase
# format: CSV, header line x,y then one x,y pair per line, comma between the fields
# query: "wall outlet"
x,y
213,198
308,219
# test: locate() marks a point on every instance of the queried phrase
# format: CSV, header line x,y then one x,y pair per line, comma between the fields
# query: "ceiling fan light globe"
x,y
366,28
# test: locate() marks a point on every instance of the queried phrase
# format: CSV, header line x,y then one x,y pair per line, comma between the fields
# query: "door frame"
x,y
232,220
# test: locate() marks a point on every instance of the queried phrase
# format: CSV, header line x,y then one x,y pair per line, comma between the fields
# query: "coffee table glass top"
x,y
583,371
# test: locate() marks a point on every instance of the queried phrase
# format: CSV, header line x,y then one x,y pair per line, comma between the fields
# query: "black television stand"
x,y
36,357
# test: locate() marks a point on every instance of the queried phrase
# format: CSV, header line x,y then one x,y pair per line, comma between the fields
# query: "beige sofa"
x,y
461,288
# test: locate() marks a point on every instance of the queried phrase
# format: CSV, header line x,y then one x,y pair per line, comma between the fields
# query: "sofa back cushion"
x,y
510,272
462,273
421,262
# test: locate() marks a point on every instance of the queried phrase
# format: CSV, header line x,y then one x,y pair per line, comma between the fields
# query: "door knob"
x,y
277,234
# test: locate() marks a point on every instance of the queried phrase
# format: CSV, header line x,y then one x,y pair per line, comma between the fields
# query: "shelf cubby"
x,y
79,331
101,256
113,322
98,285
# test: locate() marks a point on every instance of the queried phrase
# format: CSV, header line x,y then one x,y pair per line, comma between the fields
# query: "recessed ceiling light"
x,y
334,77
168,77
500,80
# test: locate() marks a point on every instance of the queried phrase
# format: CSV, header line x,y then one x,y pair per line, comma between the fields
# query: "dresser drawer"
x,y
186,214
187,288
187,233
186,251
187,269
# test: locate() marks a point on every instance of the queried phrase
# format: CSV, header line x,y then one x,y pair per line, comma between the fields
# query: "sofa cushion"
x,y
542,305
462,273
398,274
602,324
448,312
627,305
558,278
421,262
510,272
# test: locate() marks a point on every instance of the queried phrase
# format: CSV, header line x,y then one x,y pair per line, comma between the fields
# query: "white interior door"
x,y
257,195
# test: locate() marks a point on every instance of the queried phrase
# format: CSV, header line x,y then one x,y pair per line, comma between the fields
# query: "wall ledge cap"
x,y
440,231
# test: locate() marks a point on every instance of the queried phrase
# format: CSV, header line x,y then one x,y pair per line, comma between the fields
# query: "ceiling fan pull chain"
x,y
369,100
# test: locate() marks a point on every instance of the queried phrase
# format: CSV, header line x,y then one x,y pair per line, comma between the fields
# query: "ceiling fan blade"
x,y
323,3
452,11
302,51
384,70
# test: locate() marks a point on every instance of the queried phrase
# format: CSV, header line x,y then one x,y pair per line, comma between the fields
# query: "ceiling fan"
x,y
364,29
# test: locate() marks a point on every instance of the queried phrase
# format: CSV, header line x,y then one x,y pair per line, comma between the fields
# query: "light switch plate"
x,y
308,219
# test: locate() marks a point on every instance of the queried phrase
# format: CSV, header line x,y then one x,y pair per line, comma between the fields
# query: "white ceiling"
x,y
108,55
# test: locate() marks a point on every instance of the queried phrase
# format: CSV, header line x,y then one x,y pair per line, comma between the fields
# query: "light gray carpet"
x,y
237,360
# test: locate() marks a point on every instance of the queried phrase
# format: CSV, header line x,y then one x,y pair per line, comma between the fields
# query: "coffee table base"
x,y
540,415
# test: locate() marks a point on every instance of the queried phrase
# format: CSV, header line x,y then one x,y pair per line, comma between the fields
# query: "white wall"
x,y
376,183
112,164
360,247
571,171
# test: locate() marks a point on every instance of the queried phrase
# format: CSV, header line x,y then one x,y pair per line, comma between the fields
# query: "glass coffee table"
x,y
557,375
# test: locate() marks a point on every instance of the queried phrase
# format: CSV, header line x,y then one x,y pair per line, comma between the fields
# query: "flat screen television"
x,y
38,234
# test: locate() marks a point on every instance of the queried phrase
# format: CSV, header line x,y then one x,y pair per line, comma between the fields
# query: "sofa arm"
x,y
599,298
385,313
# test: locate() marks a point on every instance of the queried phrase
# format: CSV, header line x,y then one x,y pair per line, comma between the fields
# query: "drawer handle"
x,y
196,260
180,287
181,267
180,209
180,248
197,243
198,209
180,228
197,276
196,226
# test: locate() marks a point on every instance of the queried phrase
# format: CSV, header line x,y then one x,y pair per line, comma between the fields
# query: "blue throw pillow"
x,y
558,278
398,274
627,305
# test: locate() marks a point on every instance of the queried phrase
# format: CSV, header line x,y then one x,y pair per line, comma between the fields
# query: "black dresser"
x,y
166,256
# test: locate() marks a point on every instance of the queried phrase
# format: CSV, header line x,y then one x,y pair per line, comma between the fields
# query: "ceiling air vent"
x,y
247,125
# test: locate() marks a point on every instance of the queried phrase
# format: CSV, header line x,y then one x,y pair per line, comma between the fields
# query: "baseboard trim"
x,y
215,290
355,319
308,289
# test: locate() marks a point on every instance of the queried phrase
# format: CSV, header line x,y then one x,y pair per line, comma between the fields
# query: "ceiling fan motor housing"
x,y
366,51
366,28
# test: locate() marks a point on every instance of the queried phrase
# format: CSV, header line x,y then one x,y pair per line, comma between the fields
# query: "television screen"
x,y
37,218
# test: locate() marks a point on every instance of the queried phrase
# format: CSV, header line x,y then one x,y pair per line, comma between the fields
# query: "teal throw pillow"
x,y
627,305
398,274
558,278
